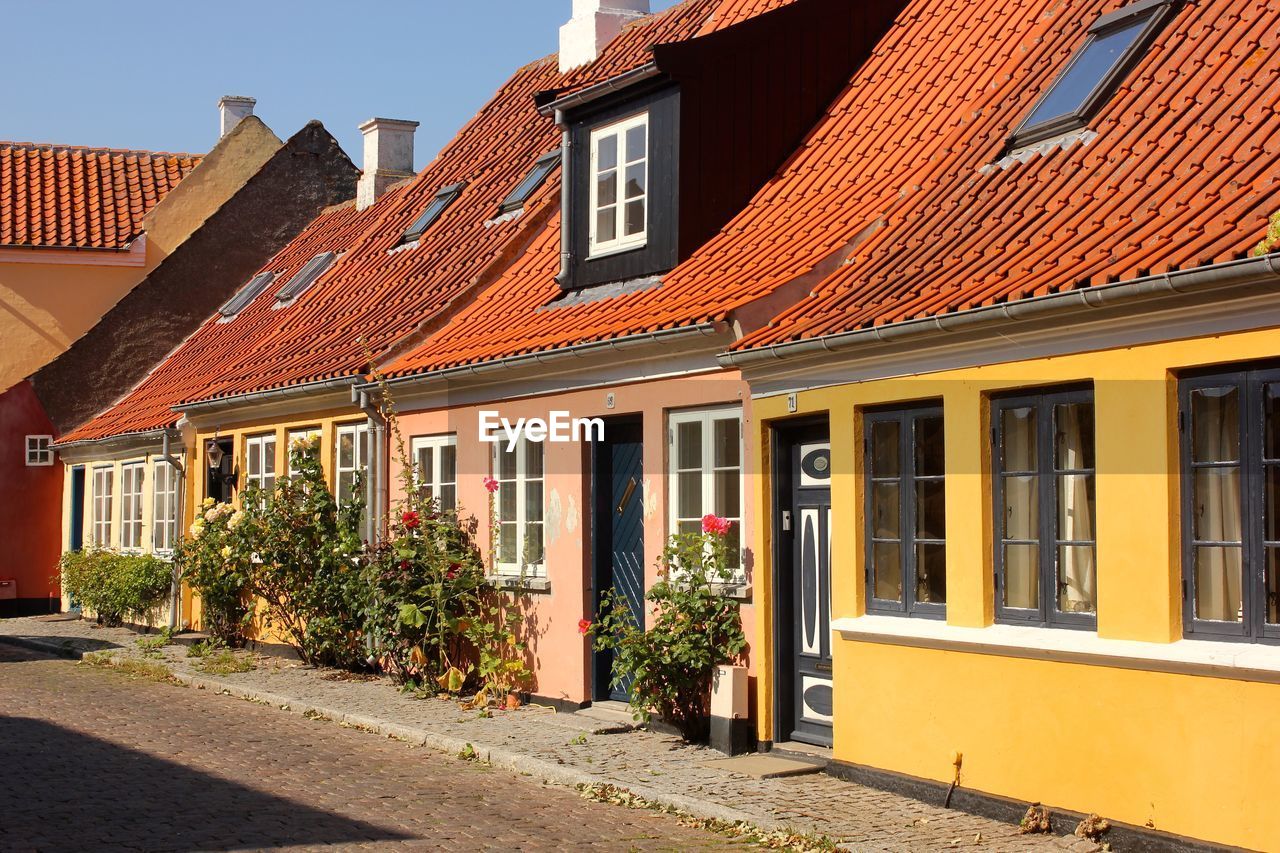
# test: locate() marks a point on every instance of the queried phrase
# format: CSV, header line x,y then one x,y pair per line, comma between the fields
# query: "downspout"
x,y
374,490
566,191
180,492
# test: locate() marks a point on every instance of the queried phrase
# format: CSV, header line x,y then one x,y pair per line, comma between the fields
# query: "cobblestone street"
x,y
91,760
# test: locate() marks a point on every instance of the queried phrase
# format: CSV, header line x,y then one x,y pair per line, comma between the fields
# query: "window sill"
x,y
736,591
1208,658
517,583
609,252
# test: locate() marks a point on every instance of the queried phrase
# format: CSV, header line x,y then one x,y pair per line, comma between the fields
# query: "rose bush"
x,y
215,560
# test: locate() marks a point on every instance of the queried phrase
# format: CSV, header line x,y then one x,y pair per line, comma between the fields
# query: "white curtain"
x,y
1218,514
1077,569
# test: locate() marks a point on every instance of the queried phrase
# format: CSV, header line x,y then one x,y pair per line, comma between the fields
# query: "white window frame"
x,y
39,453
535,570
359,433
133,479
311,434
164,507
434,480
256,450
620,242
707,418
102,501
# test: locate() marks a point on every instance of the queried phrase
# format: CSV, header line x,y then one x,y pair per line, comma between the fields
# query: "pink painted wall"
x,y
561,655
30,505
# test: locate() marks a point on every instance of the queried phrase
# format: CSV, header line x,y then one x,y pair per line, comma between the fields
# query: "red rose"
x,y
716,525
410,520
584,626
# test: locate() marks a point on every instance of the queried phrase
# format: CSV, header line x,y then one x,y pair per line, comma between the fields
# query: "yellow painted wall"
x,y
1190,753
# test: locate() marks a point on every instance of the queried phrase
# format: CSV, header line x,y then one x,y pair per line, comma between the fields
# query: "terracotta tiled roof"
x,y
380,295
1183,171
86,198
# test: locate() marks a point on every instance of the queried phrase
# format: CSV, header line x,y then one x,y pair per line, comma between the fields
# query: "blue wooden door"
x,y
619,536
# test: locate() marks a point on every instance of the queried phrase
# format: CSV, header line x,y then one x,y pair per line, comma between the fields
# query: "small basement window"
x,y
39,452
541,168
245,295
444,197
1114,45
619,185
305,277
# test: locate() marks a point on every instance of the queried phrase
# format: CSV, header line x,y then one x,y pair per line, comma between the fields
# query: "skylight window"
x,y
1114,45
305,277
443,199
541,168
245,295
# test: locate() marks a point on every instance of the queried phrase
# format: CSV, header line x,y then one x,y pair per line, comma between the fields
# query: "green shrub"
x,y
695,628
116,586
215,563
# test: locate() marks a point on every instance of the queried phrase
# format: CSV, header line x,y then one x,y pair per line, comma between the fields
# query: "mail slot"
x,y
8,588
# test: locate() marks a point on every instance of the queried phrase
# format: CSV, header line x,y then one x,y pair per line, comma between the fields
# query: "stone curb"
x,y
496,756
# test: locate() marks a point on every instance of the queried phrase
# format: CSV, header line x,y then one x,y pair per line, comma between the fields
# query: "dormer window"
x,y
1114,45
541,168
304,278
241,300
619,183
444,197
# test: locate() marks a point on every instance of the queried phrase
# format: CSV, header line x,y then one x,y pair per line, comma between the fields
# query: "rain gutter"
x,y
288,392
175,597
373,487
596,91
1263,270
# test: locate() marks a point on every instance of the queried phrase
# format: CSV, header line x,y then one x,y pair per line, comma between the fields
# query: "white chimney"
x,y
593,25
232,108
388,157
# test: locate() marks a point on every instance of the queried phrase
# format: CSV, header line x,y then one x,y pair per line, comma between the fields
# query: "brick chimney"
x,y
232,108
388,157
593,25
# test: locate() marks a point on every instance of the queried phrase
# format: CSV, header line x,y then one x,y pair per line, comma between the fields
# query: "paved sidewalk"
x,y
570,749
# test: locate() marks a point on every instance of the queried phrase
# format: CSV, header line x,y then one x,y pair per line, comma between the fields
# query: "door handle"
x,y
786,520
626,496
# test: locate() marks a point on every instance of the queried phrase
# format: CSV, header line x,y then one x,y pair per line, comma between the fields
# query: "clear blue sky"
x,y
120,75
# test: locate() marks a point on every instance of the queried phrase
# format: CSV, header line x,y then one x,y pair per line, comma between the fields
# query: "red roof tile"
x,y
86,198
371,292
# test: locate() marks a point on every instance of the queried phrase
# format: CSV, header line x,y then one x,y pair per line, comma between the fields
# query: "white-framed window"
x,y
103,494
312,437
39,452
164,507
260,462
435,468
519,473
706,473
132,476
351,457
619,185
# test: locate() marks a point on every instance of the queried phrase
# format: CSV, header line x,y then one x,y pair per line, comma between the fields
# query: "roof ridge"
x,y
90,149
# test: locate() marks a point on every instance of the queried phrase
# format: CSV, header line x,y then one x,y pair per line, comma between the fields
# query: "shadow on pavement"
x,y
63,790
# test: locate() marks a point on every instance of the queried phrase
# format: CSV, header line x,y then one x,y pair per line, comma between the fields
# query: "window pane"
x,y
1272,561
1077,579
635,183
1218,571
1271,414
1021,520
728,503
636,147
607,152
1217,505
506,464
885,449
255,459
1075,507
727,449
449,463
507,498
606,189
426,464
931,574
606,225
1215,424
269,457
531,553
533,459
1022,576
694,527
884,510
507,542
634,218
930,448
346,449
448,498
1094,61
1271,479
346,484
533,500
733,546
689,502
689,445
931,509
1073,436
1018,436
886,571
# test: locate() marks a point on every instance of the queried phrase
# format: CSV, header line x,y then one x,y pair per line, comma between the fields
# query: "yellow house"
x,y
1017,444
